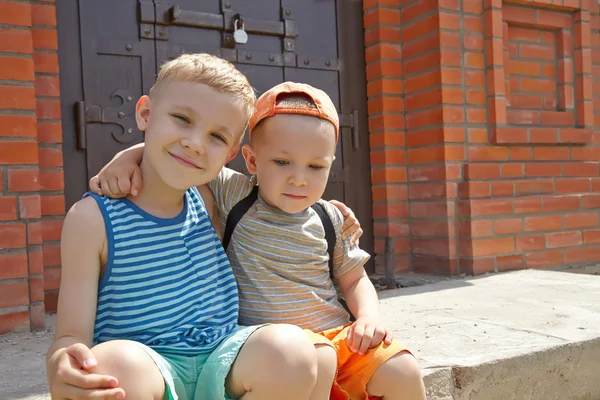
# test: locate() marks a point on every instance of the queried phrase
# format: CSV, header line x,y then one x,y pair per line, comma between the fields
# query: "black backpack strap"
x,y
236,214
330,238
329,234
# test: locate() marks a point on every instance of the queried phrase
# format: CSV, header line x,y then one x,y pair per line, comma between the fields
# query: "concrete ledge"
x,y
520,335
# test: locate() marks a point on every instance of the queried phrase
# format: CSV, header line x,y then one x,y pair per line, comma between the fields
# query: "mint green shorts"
x,y
201,377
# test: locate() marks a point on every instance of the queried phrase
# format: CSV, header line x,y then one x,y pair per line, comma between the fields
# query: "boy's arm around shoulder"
x,y
82,243
228,188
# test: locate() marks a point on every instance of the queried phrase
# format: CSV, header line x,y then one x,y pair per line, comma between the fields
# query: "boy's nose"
x,y
297,180
195,145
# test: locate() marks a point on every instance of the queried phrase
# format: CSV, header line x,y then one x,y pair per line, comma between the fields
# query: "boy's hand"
x,y
69,376
117,180
367,333
351,225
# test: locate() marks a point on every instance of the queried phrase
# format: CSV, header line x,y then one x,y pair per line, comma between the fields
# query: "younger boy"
x,y
148,304
279,250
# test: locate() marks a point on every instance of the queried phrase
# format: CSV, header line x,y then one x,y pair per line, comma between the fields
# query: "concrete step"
x,y
522,335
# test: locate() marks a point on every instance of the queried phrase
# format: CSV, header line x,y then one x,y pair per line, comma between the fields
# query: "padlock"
x,y
239,34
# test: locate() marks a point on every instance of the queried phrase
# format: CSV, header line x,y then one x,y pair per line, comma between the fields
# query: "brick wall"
x,y
31,178
484,148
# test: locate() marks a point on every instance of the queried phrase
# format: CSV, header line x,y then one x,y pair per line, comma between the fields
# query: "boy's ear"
x,y
250,157
142,112
232,154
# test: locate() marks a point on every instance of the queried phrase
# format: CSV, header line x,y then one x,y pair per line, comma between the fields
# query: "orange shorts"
x,y
353,370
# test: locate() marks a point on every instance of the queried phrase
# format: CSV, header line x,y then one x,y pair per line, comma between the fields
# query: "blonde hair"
x,y
209,70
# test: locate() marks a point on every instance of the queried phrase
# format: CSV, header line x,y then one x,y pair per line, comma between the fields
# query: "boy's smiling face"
x,y
291,156
191,131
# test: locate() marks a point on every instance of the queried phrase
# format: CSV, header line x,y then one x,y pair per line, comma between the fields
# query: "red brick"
x,y
51,300
29,207
487,247
50,132
36,263
581,169
512,170
14,294
53,205
16,68
472,228
488,153
508,226
561,203
23,180
17,97
48,109
52,157
435,247
52,180
546,258
52,278
543,169
51,256
17,126
18,153
490,207
582,254
46,85
42,14
482,171
503,189
551,153
18,321
12,236
590,201
543,223
37,316
377,16
44,39
8,208
34,233
563,239
591,236
534,186
52,229
528,205
36,289
13,265
573,185
12,13
581,220
16,41
45,62
510,262
431,209
530,242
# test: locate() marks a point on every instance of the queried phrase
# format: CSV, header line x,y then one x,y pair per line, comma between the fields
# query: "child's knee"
x,y
326,359
289,350
127,362
401,371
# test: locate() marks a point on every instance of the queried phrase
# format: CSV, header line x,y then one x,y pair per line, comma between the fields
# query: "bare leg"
x,y
276,362
326,369
399,378
137,373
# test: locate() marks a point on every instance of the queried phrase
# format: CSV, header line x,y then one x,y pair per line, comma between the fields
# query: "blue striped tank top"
x,y
168,283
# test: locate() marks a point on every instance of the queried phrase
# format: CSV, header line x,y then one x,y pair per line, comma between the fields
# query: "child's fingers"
x,y
83,355
367,338
389,337
124,185
378,337
95,185
136,181
72,392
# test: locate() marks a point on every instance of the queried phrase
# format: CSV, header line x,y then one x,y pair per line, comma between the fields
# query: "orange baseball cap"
x,y
266,105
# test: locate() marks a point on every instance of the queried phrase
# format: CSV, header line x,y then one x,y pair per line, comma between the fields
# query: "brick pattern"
x,y
30,164
499,133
